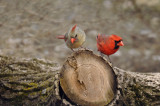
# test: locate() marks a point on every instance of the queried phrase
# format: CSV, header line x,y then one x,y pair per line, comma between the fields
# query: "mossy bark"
x,y
36,82
28,82
137,89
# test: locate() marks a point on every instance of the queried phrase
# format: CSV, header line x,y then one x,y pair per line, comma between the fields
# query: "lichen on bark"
x,y
36,82
137,89
27,82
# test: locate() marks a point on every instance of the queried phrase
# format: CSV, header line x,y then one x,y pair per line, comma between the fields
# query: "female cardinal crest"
x,y
74,38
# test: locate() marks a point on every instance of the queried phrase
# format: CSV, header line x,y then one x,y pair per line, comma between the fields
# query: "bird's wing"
x,y
66,36
101,40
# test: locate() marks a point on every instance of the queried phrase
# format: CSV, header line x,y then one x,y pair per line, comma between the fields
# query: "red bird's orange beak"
x,y
72,40
120,43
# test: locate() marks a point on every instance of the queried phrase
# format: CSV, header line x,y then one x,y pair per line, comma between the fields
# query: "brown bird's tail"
x,y
60,36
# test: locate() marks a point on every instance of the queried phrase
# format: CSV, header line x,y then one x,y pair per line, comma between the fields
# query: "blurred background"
x,y
28,29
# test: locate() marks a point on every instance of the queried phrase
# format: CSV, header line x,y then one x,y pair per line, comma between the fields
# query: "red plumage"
x,y
108,44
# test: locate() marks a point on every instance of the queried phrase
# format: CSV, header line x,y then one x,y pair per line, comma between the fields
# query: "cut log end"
x,y
88,79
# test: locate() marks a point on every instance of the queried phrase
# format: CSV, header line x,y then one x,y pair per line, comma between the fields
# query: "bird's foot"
x,y
102,55
72,50
108,59
82,48
111,64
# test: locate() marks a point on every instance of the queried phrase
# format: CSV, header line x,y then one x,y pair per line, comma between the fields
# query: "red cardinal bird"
x,y
108,45
74,38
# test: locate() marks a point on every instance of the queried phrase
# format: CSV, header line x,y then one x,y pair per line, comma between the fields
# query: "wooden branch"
x,y
36,82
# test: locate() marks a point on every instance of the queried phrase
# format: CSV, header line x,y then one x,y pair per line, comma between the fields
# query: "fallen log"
x,y
88,79
80,81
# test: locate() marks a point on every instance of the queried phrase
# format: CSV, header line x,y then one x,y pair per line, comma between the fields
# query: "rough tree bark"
x,y
36,82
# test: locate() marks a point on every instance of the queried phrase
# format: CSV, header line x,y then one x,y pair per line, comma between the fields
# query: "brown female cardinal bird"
x,y
108,45
74,38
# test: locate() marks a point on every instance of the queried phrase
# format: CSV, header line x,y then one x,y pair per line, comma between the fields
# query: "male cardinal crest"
x,y
108,45
74,38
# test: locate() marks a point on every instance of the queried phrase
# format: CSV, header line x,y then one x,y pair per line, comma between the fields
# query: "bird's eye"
x,y
76,35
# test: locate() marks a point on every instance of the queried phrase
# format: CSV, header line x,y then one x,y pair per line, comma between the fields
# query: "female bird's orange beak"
x,y
120,43
72,40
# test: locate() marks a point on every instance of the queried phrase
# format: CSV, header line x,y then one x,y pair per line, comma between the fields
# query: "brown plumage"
x,y
74,38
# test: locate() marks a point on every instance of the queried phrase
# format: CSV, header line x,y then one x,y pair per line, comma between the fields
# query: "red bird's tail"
x,y
98,38
99,41
60,36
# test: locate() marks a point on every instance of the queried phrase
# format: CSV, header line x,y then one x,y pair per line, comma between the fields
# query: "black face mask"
x,y
116,46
